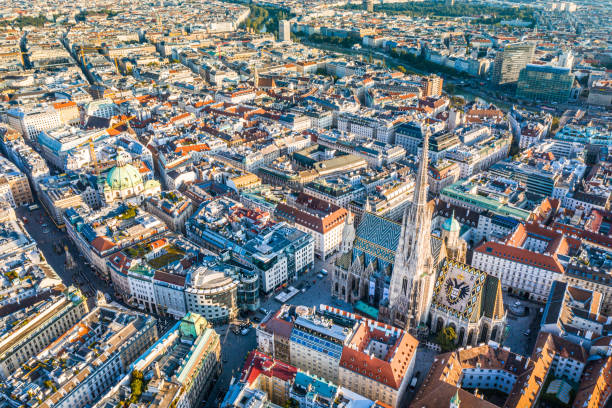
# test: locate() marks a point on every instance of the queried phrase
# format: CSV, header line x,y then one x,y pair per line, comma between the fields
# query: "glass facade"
x,y
545,83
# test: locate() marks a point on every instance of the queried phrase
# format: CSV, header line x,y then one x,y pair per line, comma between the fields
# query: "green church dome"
x,y
451,224
123,176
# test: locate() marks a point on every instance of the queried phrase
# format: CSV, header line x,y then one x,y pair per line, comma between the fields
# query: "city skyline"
x,y
298,203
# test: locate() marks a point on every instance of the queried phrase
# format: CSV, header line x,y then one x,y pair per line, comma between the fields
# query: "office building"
x,y
212,294
509,61
32,122
284,31
545,83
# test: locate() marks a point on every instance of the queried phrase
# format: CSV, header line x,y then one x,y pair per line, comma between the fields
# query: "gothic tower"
x,y
456,248
348,234
412,280
255,77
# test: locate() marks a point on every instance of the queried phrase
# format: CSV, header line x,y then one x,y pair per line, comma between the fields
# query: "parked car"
x,y
320,276
414,380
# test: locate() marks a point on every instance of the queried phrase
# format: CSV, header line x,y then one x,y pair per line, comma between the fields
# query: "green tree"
x,y
555,124
446,338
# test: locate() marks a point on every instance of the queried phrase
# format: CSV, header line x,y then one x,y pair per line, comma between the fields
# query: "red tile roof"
x,y
102,244
390,370
63,105
258,363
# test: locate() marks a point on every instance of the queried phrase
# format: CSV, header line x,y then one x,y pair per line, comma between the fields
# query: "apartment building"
x,y
14,183
367,357
58,193
77,368
322,220
521,380
527,262
338,191
45,323
378,361
68,112
89,230
172,207
316,344
33,122
182,366
574,313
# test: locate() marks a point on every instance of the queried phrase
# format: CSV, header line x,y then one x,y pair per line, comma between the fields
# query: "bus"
x,y
33,207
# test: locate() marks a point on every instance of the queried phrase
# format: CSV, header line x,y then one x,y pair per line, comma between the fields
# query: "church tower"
x,y
456,248
348,234
255,77
412,280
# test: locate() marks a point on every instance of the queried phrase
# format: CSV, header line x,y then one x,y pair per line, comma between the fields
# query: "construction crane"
x,y
83,48
93,138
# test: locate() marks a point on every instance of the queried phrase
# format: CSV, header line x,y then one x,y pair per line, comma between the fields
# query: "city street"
x,y
46,235
519,339
235,348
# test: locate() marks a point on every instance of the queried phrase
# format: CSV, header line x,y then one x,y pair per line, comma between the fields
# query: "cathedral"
x,y
401,273
392,266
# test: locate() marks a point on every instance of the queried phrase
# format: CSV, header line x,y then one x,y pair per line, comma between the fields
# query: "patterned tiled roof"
x,y
458,290
378,236
492,301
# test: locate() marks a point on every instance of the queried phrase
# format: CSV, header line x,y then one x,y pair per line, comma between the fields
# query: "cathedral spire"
x,y
411,286
421,185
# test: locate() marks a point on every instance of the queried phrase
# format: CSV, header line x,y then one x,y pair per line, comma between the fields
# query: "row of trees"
x,y
268,17
440,9
421,63
84,13
346,42
25,21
